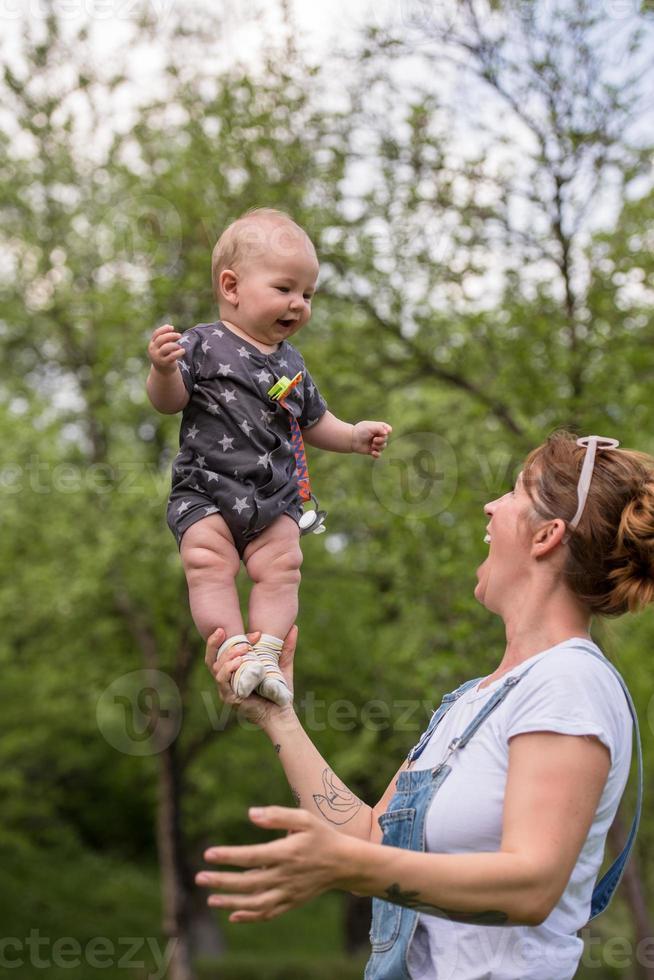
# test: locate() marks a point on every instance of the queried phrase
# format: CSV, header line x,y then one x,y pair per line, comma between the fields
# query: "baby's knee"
x,y
204,560
276,564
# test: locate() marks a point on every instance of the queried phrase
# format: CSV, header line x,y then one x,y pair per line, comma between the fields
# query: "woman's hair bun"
x,y
632,577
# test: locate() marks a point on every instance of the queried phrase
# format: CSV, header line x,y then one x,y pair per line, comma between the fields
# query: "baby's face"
x,y
275,292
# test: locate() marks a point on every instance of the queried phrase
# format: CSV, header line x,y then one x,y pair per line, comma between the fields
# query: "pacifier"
x,y
313,521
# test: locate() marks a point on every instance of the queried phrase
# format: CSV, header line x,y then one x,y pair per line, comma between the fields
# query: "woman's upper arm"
x,y
553,789
381,807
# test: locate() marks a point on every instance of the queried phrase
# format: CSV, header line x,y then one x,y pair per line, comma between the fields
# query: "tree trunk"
x,y
175,904
633,892
204,934
357,915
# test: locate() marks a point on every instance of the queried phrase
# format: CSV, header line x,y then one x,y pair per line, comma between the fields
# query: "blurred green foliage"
x,y
465,298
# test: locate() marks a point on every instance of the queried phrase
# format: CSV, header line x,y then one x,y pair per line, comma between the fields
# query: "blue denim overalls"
x,y
403,825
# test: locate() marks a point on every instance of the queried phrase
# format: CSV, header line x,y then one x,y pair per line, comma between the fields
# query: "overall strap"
x,y
441,711
604,889
489,707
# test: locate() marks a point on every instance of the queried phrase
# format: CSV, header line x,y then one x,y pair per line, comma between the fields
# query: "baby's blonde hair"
x,y
255,233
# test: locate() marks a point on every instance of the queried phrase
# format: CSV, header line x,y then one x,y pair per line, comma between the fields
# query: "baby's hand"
x,y
164,350
370,438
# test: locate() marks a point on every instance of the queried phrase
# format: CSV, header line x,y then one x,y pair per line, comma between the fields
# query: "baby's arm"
x,y
369,438
165,387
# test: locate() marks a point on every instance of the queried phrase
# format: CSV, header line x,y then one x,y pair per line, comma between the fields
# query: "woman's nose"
x,y
489,508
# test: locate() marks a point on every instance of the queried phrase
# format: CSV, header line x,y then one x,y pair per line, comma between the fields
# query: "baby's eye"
x,y
282,289
308,297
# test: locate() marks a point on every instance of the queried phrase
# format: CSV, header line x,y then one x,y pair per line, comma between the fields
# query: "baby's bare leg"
x,y
273,562
211,563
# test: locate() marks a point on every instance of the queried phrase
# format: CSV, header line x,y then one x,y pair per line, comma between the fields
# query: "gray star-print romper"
x,y
235,457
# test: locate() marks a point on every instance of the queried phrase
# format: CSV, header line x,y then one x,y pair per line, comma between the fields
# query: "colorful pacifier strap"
x,y
279,392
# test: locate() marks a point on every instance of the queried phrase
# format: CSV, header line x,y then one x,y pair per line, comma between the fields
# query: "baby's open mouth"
x,y
286,323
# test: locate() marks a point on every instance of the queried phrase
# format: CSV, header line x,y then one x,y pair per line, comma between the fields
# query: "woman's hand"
x,y
255,709
281,874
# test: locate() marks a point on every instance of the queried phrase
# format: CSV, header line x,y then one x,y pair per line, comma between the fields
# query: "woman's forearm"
x,y
495,888
313,784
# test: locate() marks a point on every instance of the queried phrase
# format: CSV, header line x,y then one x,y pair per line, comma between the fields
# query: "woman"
x,y
500,814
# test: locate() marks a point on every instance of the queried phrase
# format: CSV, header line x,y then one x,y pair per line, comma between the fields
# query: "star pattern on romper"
x,y
229,395
200,460
210,510
192,432
226,442
218,333
213,409
184,340
266,416
283,362
194,486
264,460
211,476
247,428
205,346
242,352
184,506
224,370
240,503
184,366
264,376
287,444
312,389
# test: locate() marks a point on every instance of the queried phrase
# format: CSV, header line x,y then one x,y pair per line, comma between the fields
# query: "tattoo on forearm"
x,y
296,796
337,804
411,900
278,748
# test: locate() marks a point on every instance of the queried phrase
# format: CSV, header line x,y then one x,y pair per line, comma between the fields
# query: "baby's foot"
x,y
273,686
249,672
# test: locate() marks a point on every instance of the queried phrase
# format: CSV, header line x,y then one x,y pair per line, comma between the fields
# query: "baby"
x,y
235,492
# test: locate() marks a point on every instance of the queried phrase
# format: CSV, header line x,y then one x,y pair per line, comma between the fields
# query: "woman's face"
x,y
509,541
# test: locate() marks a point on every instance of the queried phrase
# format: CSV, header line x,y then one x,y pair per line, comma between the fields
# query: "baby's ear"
x,y
228,286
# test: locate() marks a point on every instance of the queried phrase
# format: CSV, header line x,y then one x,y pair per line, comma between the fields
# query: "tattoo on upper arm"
x,y
411,900
296,796
278,748
337,804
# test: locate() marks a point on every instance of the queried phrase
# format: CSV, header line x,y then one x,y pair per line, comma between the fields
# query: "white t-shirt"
x,y
569,692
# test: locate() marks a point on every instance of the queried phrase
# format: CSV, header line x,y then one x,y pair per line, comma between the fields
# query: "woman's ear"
x,y
228,286
548,537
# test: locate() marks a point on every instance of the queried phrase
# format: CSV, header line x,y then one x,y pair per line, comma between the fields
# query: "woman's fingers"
x,y
249,855
290,642
288,653
238,882
281,817
214,643
266,905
